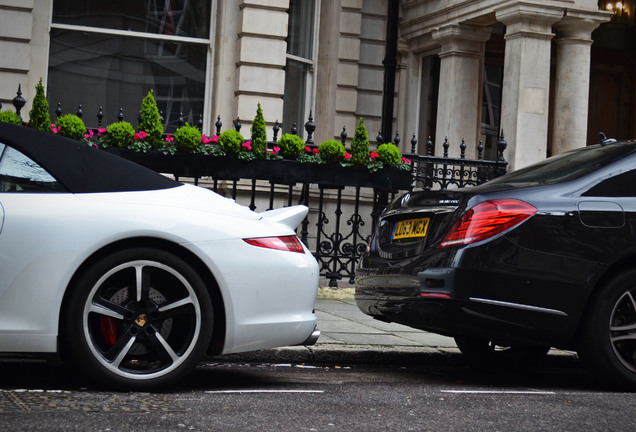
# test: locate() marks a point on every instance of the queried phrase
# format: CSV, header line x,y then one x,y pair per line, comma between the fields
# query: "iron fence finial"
x,y
19,101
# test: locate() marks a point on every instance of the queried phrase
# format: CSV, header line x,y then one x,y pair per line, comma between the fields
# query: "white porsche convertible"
x,y
134,277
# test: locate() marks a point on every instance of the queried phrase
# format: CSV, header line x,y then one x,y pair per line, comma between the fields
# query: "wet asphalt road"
x,y
237,396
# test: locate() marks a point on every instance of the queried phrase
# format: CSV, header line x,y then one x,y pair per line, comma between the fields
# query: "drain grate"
x,y
17,401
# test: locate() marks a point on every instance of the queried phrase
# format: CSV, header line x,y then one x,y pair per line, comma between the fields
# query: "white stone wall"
x,y
350,72
371,69
23,48
261,51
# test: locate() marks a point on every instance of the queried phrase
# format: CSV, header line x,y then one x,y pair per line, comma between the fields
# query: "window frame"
x,y
309,103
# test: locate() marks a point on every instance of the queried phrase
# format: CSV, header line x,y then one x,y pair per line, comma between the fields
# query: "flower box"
x,y
276,171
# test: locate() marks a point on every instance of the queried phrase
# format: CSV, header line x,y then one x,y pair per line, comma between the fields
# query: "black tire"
x,y
608,343
483,352
138,319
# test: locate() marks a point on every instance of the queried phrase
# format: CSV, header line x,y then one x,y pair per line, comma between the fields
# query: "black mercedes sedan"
x,y
542,257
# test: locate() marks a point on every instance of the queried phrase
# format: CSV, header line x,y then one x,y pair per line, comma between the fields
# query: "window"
x,y
18,173
110,54
299,71
620,185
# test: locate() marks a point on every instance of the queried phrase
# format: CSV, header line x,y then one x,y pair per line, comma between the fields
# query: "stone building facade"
x,y
550,74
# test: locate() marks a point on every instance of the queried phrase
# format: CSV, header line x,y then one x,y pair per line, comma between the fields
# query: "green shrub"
x,y
360,145
187,138
331,151
230,142
150,120
39,117
11,117
71,126
291,146
389,154
259,134
120,134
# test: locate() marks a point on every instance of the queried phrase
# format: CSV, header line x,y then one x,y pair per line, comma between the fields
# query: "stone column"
x,y
338,69
526,83
572,86
460,87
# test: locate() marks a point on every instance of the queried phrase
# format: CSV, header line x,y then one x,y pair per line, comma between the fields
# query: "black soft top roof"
x,y
79,167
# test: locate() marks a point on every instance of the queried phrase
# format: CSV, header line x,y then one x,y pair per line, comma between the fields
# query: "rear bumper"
x,y
432,300
312,339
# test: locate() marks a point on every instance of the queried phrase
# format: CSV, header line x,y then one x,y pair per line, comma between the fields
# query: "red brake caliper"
x,y
109,330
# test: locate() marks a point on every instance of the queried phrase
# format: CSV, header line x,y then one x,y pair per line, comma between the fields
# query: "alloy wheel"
x,y
141,319
622,330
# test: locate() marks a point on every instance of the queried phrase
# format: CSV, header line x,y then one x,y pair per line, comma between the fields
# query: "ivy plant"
x,y
71,126
230,141
120,134
187,138
331,151
389,154
10,117
291,146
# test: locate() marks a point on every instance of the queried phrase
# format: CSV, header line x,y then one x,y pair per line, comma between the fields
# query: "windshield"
x,y
568,166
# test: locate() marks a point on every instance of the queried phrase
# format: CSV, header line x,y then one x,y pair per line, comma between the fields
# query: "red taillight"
x,y
285,243
486,220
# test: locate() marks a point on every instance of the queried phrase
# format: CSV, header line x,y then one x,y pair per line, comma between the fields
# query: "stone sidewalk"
x,y
350,337
341,323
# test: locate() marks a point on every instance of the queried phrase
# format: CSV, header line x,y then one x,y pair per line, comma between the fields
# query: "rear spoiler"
x,y
290,216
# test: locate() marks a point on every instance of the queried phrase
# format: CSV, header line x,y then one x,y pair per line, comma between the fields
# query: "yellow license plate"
x,y
410,228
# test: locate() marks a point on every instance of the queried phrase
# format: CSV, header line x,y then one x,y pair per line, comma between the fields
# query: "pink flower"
x,y
405,160
101,131
54,129
248,145
374,154
308,149
275,150
315,151
140,135
89,135
207,140
347,155
169,138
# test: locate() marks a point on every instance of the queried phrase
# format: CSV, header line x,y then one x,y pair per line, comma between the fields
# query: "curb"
x,y
356,355
347,355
